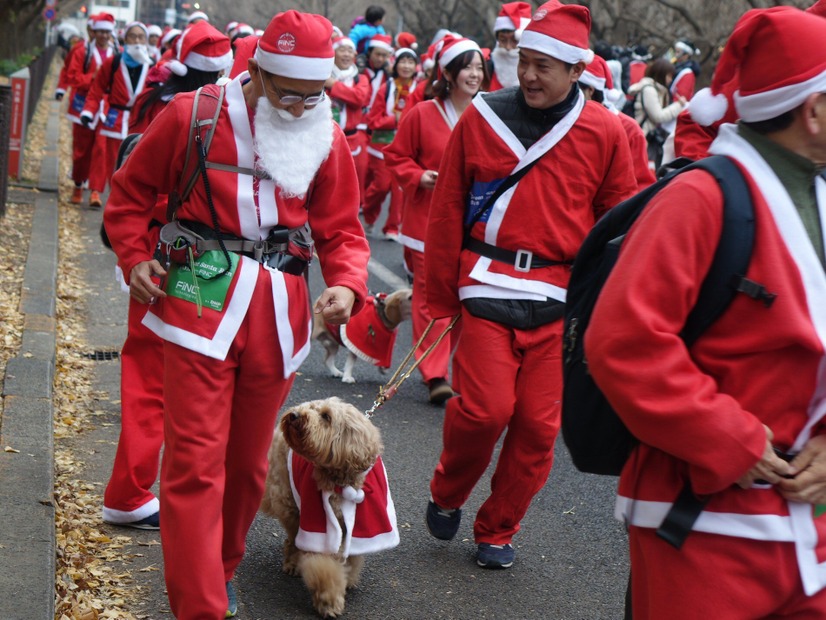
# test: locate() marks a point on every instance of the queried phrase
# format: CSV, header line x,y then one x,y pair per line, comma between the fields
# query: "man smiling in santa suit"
x,y
276,165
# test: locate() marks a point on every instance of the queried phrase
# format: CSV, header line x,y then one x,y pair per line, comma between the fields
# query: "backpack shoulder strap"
x,y
733,254
115,66
206,107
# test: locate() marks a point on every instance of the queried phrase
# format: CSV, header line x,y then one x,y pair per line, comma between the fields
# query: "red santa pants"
x,y
434,366
83,143
507,379
141,433
380,185
719,577
358,149
104,164
219,418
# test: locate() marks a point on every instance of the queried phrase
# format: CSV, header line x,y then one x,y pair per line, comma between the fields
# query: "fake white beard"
x,y
344,74
291,149
139,53
505,63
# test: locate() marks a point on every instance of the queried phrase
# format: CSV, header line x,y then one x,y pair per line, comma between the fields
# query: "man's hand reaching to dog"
x,y
335,305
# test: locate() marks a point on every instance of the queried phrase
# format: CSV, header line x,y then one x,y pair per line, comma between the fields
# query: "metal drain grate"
x,y
102,356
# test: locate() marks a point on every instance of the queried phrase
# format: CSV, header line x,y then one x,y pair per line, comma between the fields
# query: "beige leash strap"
x,y
389,389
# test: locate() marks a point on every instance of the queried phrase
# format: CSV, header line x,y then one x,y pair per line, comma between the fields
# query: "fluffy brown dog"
x,y
369,335
325,457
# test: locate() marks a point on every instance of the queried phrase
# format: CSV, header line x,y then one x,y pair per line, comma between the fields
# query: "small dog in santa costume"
x,y
327,486
369,335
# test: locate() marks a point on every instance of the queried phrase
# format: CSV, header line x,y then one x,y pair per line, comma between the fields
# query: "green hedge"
x,y
10,65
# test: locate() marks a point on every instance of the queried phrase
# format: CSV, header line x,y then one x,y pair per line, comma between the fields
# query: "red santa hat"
x,y
297,45
243,30
776,57
407,39
513,16
381,41
104,21
453,47
230,27
154,30
345,41
598,76
170,36
201,47
818,8
560,31
197,15
140,25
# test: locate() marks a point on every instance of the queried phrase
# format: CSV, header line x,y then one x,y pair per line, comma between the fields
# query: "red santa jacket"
x,y
700,412
584,170
112,95
639,151
368,513
683,84
330,206
83,62
366,336
419,145
382,119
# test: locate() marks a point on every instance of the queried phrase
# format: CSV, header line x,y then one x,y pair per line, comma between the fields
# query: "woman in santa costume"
x,y
382,120
414,158
128,499
505,267
83,64
112,95
738,417
350,93
235,331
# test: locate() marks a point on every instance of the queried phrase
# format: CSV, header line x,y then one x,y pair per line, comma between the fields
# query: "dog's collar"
x,y
380,301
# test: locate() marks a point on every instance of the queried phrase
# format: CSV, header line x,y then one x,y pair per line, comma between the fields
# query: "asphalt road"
x,y
571,556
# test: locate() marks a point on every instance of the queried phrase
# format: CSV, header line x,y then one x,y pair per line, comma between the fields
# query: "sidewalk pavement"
x,y
27,538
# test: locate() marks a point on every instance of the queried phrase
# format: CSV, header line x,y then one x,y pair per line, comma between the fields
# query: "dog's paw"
x,y
335,372
328,604
348,379
290,567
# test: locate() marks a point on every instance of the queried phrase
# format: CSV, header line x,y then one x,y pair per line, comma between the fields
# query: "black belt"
x,y
522,260
351,132
120,107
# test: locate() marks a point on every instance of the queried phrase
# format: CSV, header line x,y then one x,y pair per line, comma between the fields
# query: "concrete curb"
x,y
27,550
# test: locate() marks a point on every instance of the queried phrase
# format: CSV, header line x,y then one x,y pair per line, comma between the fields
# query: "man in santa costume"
x,y
350,94
128,499
83,62
237,330
505,267
686,69
737,418
116,87
511,21
377,71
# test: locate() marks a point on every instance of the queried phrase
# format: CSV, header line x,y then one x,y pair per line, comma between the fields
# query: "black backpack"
x,y
597,439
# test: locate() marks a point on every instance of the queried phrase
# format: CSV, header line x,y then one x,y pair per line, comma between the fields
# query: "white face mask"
x,y
139,52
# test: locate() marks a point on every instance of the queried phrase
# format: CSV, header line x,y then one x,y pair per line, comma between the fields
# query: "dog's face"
x,y
398,306
333,435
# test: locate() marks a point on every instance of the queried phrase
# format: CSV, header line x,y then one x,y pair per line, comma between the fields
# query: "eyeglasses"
x,y
288,100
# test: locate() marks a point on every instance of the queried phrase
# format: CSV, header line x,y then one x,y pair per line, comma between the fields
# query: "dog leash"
x,y
389,389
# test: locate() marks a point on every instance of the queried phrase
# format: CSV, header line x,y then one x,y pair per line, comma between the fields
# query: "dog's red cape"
x,y
369,513
367,337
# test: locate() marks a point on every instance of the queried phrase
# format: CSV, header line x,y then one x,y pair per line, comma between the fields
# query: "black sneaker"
x,y
232,604
494,556
442,523
152,522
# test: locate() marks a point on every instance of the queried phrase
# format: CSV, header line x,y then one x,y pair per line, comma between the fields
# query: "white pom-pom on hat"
x,y
707,108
